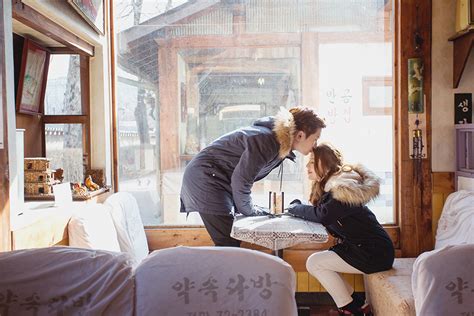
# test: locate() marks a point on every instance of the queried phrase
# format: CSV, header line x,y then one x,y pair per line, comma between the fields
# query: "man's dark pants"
x,y
219,227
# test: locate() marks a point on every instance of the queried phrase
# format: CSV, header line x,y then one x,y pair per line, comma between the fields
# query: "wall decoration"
x,y
415,85
377,95
92,11
32,82
462,108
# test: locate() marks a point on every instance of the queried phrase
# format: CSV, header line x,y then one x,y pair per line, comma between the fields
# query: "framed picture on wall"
x,y
92,11
32,80
377,95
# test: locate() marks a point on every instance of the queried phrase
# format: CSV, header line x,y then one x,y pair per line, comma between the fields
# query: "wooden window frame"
x,y
5,237
84,118
412,229
369,82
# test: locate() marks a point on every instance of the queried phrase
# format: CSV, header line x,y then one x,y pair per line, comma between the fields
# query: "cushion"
x,y
443,281
456,224
92,227
389,292
128,224
65,281
214,281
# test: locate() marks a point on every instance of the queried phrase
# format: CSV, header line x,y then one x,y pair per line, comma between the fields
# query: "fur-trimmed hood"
x,y
284,128
354,185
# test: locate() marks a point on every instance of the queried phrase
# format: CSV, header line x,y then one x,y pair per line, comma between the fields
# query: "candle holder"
x,y
276,202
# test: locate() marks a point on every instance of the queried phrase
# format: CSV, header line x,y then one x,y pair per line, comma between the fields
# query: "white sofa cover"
x,y
456,224
214,281
92,227
65,281
128,224
443,281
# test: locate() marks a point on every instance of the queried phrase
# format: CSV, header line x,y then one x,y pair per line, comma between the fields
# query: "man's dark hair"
x,y
306,120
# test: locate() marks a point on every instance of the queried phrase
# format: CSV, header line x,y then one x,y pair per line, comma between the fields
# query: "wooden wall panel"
x,y
302,282
46,232
34,136
443,185
314,285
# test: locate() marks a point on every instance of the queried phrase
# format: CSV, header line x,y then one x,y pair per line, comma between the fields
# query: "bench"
x,y
390,292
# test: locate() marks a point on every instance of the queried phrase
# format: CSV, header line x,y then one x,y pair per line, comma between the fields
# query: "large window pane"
x,y
190,71
63,88
64,148
363,136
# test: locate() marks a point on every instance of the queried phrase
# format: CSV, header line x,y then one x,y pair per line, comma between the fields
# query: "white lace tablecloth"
x,y
278,232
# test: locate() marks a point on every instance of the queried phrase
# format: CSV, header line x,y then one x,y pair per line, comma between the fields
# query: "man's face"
x,y
304,144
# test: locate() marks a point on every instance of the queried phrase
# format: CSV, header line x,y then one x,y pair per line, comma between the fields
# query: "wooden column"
x,y
309,70
413,197
169,107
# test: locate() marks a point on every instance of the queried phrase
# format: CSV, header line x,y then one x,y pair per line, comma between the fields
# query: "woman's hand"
x,y
301,210
295,201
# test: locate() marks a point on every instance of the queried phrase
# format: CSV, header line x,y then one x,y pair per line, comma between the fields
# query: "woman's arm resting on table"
x,y
325,213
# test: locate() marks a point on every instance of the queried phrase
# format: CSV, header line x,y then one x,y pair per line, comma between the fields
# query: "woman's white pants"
x,y
326,266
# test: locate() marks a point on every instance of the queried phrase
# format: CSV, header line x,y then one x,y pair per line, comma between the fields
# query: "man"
x,y
219,179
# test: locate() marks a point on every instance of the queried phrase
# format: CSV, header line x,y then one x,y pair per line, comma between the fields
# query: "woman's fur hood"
x,y
354,185
284,128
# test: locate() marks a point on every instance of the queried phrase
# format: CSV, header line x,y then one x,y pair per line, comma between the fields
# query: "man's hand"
x,y
260,211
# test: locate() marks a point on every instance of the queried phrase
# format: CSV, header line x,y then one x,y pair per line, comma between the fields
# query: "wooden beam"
x,y
61,50
86,104
160,238
216,41
40,23
169,108
186,13
310,74
66,119
462,46
355,37
238,19
113,88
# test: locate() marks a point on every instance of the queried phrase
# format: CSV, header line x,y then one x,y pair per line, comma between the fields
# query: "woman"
x,y
338,198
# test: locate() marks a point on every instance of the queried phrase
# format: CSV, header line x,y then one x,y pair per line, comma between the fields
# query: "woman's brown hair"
x,y
331,162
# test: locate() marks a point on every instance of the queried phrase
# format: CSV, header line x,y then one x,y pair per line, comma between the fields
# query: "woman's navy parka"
x,y
363,243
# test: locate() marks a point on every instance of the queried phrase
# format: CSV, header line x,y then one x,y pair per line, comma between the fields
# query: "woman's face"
x,y
313,174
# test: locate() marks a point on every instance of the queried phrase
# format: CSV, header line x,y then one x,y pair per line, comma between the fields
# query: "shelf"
x,y
464,126
462,45
75,197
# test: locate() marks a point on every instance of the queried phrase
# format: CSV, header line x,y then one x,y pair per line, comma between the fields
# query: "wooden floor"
x,y
324,310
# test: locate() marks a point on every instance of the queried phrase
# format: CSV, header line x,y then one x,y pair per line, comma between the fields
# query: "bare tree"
x,y
72,142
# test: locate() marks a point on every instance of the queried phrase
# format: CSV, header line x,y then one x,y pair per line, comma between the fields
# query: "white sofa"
x,y
407,289
169,282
